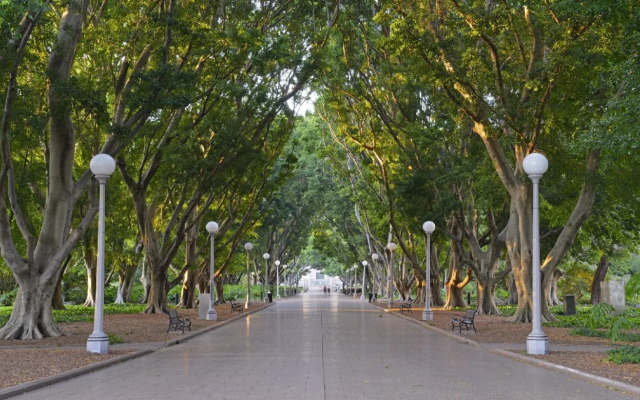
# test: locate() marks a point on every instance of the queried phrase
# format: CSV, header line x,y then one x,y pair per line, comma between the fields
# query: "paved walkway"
x,y
316,347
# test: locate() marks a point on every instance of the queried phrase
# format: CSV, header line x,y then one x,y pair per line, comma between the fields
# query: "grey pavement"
x,y
317,347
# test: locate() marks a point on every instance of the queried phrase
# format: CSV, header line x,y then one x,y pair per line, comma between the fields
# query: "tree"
x,y
37,272
511,69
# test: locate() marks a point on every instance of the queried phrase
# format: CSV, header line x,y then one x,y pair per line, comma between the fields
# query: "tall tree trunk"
x,y
420,285
552,291
91,265
436,284
38,272
219,284
126,276
601,273
457,280
145,279
57,303
513,290
519,230
486,295
31,317
519,249
188,292
157,302
483,263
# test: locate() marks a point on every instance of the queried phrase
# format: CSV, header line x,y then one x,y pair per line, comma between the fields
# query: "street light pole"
x,y
390,287
427,314
535,165
364,277
212,228
374,257
355,280
248,246
286,280
102,166
277,279
264,285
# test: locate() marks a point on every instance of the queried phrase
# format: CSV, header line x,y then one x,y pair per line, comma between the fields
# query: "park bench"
x,y
466,320
236,307
406,306
177,322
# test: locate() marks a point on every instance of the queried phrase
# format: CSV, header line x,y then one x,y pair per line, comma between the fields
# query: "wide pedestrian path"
x,y
321,347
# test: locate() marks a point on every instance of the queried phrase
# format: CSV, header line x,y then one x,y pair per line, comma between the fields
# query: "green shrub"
x,y
76,295
113,338
602,333
235,292
632,290
625,355
239,292
599,317
7,298
85,314
501,293
507,311
5,313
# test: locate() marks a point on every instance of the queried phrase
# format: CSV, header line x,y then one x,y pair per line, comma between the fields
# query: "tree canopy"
x,y
423,111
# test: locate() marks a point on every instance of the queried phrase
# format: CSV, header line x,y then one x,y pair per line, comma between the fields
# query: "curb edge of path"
x,y
610,383
50,380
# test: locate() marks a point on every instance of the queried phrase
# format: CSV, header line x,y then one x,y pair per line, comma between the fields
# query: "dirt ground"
x,y
23,361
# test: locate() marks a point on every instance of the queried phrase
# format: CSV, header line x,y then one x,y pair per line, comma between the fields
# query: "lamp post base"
x,y
537,343
246,305
278,297
362,297
98,343
212,315
427,315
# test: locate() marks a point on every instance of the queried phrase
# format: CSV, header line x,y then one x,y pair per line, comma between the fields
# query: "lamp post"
x,y
355,280
535,165
264,285
374,257
364,277
212,228
427,314
102,166
390,289
285,279
248,247
277,279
